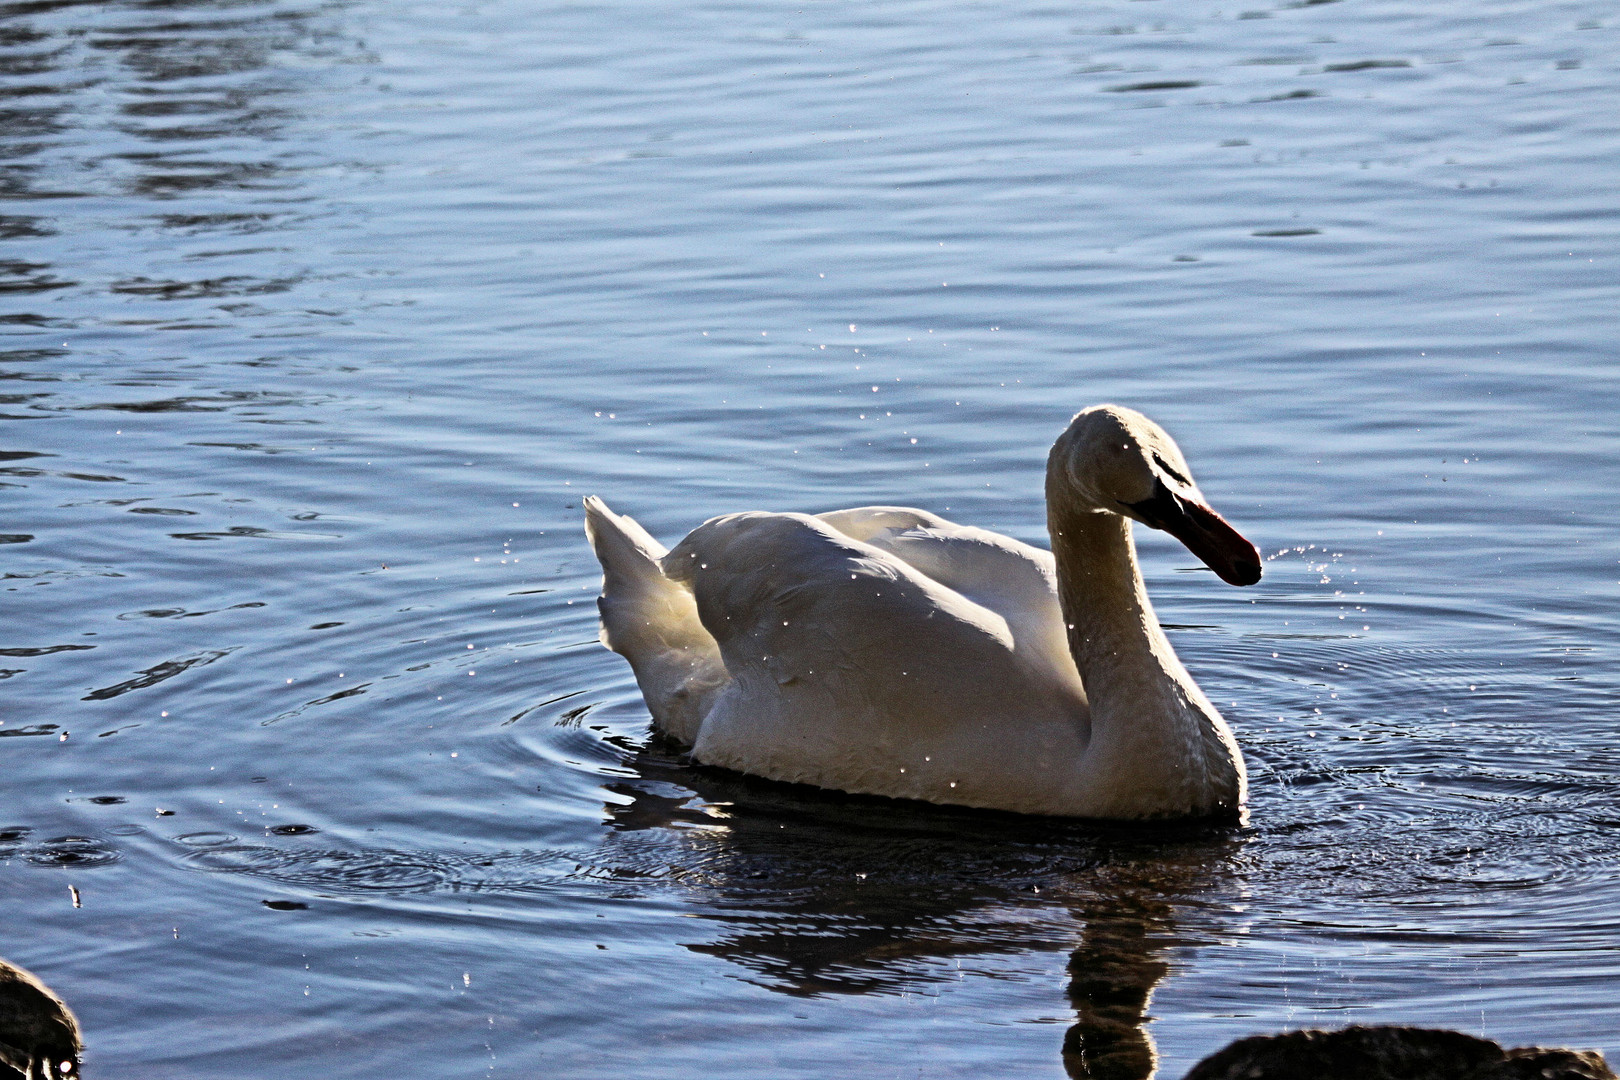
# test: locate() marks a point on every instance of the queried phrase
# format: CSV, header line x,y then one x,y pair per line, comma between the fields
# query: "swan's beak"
x,y
1206,534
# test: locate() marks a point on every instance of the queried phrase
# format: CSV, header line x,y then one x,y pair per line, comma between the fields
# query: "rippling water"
x,y
320,318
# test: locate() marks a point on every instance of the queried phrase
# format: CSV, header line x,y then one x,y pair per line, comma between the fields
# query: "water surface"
x,y
320,318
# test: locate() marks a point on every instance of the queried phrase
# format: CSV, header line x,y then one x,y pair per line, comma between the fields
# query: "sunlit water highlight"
x,y
322,317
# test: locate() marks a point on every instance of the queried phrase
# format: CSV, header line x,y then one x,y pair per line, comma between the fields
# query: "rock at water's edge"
x,y
39,1036
1393,1053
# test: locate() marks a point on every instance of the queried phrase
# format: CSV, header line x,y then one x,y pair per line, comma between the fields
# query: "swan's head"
x,y
1115,460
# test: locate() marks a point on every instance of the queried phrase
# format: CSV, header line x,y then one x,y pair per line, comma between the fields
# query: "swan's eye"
x,y
1172,473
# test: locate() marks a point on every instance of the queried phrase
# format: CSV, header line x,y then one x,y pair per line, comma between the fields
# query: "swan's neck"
x,y
1158,747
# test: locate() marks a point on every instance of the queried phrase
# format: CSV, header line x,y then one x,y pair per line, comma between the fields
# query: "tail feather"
x,y
605,528
653,622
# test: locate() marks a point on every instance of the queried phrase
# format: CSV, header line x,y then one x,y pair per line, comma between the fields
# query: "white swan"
x,y
888,651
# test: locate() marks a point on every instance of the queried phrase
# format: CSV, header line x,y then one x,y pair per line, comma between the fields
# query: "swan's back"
x,y
784,592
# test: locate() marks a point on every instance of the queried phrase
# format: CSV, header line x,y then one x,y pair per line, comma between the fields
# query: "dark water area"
x,y
320,318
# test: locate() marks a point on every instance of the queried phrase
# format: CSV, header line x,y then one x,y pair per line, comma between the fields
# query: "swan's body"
x,y
888,651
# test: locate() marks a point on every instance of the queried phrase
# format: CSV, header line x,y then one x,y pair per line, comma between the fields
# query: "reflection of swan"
x,y
819,895
888,651
1112,976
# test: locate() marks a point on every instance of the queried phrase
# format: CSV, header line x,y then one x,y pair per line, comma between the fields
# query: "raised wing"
x,y
1011,578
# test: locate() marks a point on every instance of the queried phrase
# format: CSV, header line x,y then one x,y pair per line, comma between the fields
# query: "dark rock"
x,y
39,1037
1393,1053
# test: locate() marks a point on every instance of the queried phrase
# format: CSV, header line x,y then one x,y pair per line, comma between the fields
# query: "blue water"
x,y
321,318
